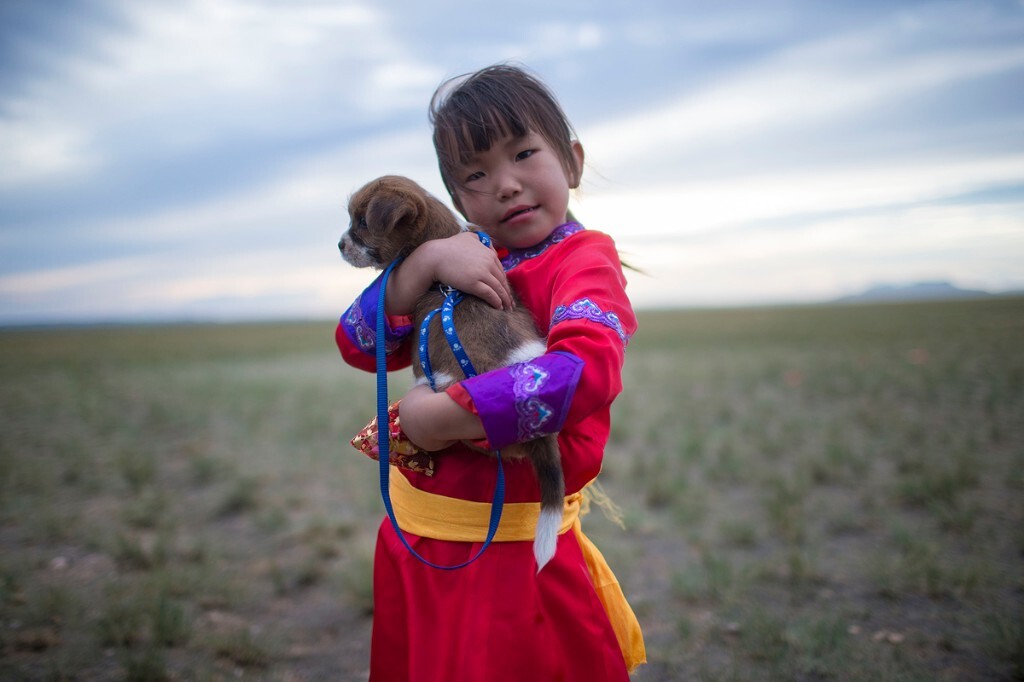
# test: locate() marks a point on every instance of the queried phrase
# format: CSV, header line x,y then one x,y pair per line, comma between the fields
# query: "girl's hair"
x,y
473,111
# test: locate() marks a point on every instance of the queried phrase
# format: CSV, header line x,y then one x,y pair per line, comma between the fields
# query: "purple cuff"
x,y
526,400
360,322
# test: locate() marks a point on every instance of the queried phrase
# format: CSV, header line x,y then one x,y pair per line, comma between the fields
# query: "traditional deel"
x,y
498,619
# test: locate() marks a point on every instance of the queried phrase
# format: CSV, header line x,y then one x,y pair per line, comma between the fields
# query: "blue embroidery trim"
x,y
585,309
531,411
560,234
361,332
365,335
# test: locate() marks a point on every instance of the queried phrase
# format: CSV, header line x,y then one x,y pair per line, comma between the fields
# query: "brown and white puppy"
x,y
389,218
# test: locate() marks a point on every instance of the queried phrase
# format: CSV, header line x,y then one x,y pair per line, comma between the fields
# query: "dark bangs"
x,y
471,113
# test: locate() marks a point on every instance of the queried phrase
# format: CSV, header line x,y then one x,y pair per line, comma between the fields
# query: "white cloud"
x,y
184,76
675,209
835,256
590,36
303,198
833,78
300,214
692,188
764,232
35,285
232,45
716,27
815,234
36,145
265,283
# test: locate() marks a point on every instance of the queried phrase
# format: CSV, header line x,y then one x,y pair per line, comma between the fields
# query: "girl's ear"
x,y
454,196
577,175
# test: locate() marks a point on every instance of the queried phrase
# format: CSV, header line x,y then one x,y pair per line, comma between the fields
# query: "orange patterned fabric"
x,y
401,451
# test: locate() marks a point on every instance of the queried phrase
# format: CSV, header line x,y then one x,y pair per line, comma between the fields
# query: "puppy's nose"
x,y
341,245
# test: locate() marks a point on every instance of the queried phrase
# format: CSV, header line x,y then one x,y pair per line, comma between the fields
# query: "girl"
x,y
509,159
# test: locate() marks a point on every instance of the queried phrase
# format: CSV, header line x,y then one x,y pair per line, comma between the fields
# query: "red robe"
x,y
498,619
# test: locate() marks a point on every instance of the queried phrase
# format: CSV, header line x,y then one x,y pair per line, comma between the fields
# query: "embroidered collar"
x,y
516,256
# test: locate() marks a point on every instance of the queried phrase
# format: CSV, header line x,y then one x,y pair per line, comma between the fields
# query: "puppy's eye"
x,y
362,223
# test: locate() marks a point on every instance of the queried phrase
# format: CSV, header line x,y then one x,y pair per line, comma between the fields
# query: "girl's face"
x,y
517,191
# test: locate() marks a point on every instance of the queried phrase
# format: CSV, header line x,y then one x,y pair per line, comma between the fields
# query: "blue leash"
x,y
383,430
452,298
447,310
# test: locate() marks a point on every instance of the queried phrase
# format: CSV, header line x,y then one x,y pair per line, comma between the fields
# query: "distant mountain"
x,y
920,291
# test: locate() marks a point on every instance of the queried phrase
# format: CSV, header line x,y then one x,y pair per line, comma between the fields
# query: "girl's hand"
x,y
461,261
465,263
433,421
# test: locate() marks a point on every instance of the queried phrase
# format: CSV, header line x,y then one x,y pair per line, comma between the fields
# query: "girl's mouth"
x,y
517,211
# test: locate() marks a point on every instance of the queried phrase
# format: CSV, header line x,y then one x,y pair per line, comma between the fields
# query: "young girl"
x,y
509,159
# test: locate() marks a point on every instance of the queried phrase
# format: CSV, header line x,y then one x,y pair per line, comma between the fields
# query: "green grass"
x,y
826,493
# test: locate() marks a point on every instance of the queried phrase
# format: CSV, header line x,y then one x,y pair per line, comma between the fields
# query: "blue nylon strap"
x,y
452,298
424,341
384,445
448,324
446,311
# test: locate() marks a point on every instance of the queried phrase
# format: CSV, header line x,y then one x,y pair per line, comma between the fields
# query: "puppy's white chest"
x,y
527,351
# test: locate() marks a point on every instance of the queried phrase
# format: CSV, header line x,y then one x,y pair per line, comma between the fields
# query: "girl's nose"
x,y
508,186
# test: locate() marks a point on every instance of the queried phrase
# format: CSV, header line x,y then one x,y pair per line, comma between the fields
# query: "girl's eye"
x,y
525,154
474,176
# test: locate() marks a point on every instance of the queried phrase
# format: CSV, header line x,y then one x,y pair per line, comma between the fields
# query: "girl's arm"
x,y
433,421
460,261
591,322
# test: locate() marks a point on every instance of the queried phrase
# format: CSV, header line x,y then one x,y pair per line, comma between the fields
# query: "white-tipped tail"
x,y
546,540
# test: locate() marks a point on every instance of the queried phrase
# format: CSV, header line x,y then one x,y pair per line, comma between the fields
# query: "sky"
x,y
192,160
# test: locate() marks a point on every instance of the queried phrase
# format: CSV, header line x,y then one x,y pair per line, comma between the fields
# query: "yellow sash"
x,y
448,518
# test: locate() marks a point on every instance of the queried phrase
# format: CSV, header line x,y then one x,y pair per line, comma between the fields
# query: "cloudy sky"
x,y
169,160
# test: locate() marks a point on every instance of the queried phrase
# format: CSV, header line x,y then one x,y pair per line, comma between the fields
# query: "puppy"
x,y
389,218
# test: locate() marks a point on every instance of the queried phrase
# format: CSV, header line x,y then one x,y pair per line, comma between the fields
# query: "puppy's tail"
x,y
543,452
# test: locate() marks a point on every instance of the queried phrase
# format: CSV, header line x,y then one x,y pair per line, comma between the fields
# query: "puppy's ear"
x,y
439,221
387,210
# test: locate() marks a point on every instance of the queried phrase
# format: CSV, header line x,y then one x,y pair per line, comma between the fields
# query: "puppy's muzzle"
x,y
354,253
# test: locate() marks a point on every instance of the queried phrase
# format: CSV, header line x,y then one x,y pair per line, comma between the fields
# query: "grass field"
x,y
809,494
